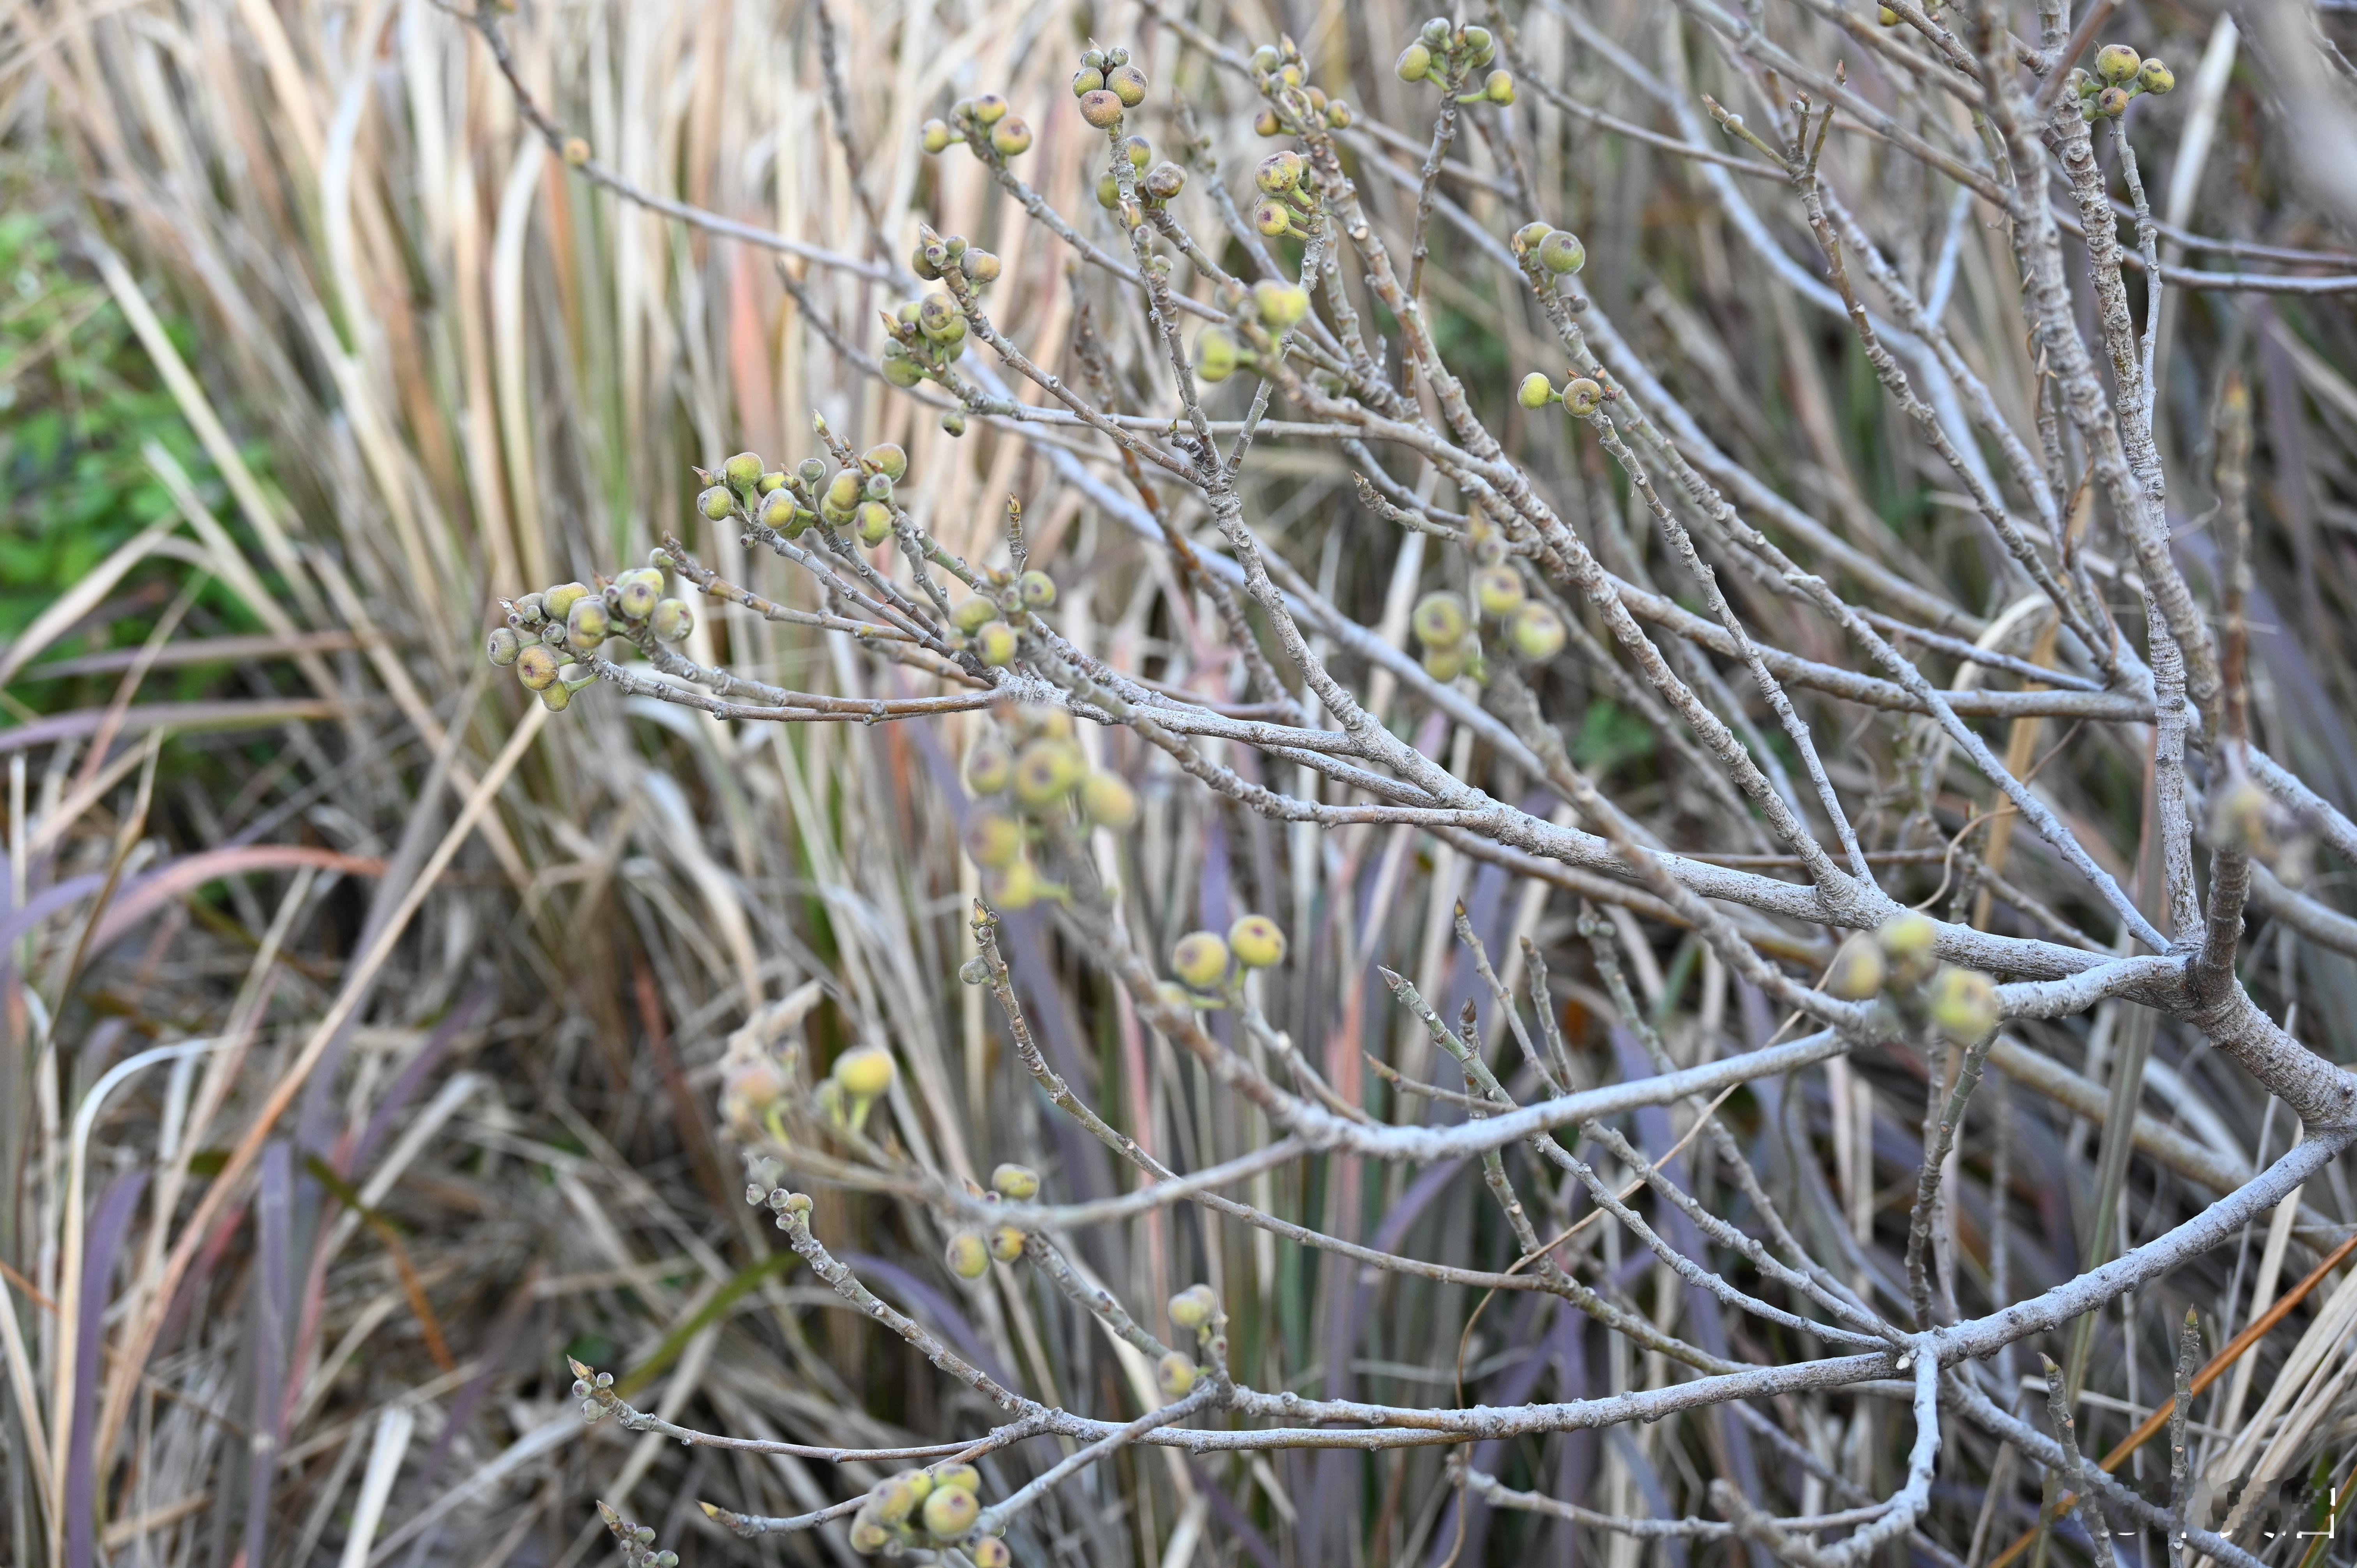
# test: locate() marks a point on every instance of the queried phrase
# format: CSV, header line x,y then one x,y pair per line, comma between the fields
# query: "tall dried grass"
x,y
313,1179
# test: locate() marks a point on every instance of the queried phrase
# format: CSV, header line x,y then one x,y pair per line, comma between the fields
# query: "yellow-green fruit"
x,y
1414,63
1012,887
672,620
586,623
1201,959
956,1477
1011,137
1039,590
1439,620
1444,663
2117,63
901,371
1108,192
1499,87
1273,219
1906,941
864,1072
503,647
950,1512
1020,1182
1174,1375
1537,632
1047,771
536,667
972,613
1087,79
1006,1243
556,603
990,108
1536,392
1885,16
990,1553
934,136
1046,722
895,1498
1257,942
988,765
1101,109
778,511
1498,590
557,699
638,591
1962,1003
743,470
1582,397
1127,83
842,490
2113,102
875,519
1561,253
1215,355
1857,970
716,503
1281,305
968,1258
2242,818
1339,115
1529,237
2155,77
888,459
996,644
771,482
1107,801
1195,1306
994,838
868,1536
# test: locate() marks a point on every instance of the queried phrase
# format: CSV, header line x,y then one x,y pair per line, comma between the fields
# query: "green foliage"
x,y
1610,734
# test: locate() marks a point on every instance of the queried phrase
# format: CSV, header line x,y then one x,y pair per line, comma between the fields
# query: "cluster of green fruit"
x,y
1897,961
1275,67
986,620
1556,251
573,617
757,1085
969,1253
1442,51
788,501
983,122
1288,205
1160,182
1279,307
1448,631
1018,789
929,1507
1194,1310
927,336
1211,968
1108,85
2120,75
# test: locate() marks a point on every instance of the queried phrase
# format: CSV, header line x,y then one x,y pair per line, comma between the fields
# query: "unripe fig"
x,y
557,603
1273,219
1046,771
1201,959
1108,801
1175,1375
875,521
557,699
536,668
1194,1308
981,267
954,424
1481,44
1257,942
971,614
1536,392
864,1071
1215,355
2113,102
743,470
1265,59
1582,396
1435,32
1266,123
987,766
901,371
577,152
1127,83
1165,180
1006,1242
1339,115
935,136
990,109
1020,1182
1963,1003
810,471
503,647
2117,63
671,620
993,839
1086,81
716,503
778,511
2155,77
968,1258
1101,109
1857,970
1498,590
1498,87
1537,632
1038,588
1139,150
1281,305
995,644
1907,941
990,1551
868,1536
895,1498
957,1476
1414,63
1013,887
888,459
1561,253
586,623
950,1512
635,595
1011,138
1279,172
1439,620
935,314
2242,817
